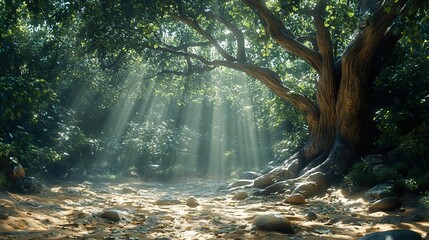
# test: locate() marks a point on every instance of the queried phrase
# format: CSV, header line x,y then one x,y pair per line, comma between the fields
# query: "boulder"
x,y
392,235
320,180
385,204
379,191
273,222
308,189
26,185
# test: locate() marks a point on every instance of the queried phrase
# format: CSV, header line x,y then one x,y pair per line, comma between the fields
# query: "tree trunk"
x,y
339,123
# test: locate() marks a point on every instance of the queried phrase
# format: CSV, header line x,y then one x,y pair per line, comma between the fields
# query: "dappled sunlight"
x,y
74,210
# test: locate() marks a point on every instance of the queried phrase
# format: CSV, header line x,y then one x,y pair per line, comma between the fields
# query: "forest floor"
x,y
71,210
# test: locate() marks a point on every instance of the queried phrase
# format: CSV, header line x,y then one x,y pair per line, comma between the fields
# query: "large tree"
x,y
341,44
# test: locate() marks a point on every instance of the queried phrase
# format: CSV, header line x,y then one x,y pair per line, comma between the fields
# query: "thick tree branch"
x,y
239,36
369,38
271,79
265,75
276,28
326,89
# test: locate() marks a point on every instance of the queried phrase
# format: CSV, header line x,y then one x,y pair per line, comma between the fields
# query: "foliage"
x,y
404,177
148,144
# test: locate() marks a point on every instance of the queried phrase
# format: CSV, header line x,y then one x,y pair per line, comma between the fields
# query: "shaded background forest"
x,y
68,112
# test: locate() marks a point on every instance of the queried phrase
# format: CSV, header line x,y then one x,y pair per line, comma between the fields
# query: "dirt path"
x,y
72,211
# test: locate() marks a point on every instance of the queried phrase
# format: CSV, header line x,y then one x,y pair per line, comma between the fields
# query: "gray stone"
x,y
308,189
127,190
385,204
379,191
250,175
417,217
192,202
392,235
26,185
240,196
296,199
311,216
273,222
3,216
111,215
320,180
167,201
240,183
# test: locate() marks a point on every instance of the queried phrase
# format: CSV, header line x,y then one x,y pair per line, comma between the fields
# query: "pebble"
x,y
311,216
273,222
4,216
192,202
295,199
111,215
240,196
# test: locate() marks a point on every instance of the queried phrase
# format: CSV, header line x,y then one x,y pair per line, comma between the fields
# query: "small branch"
x,y
239,36
115,61
309,39
194,25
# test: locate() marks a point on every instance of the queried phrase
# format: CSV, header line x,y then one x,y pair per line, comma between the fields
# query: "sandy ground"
x,y
71,210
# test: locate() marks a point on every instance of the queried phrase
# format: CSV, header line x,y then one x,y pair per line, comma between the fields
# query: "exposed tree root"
x,y
291,177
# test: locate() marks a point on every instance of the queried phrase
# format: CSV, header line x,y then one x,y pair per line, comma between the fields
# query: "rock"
x,y
273,222
164,238
416,217
250,175
385,204
192,202
320,180
26,185
308,189
127,190
240,183
3,216
379,191
278,187
311,216
167,201
393,235
240,196
295,199
111,215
